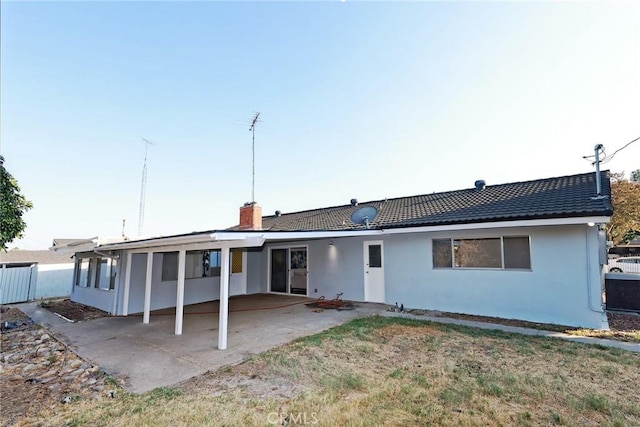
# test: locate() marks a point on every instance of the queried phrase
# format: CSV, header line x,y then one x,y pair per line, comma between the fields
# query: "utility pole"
x,y
253,156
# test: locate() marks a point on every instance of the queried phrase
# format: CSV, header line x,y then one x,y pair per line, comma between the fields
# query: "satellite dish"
x,y
364,215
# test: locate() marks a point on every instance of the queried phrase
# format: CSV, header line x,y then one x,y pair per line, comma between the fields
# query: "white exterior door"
x,y
374,271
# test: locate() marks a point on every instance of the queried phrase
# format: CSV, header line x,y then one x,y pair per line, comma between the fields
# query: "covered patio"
x,y
151,355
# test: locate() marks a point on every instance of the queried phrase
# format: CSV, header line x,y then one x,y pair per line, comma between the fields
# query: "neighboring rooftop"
x,y
41,257
64,242
559,197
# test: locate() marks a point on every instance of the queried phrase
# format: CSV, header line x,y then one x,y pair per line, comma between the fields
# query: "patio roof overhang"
x,y
226,239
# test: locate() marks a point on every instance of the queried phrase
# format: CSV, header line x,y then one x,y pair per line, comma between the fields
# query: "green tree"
x,y
12,206
625,221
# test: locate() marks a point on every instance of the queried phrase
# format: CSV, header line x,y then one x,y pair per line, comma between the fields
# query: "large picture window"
x,y
197,264
496,253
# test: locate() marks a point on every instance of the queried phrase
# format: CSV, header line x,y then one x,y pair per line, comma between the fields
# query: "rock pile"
x,y
38,371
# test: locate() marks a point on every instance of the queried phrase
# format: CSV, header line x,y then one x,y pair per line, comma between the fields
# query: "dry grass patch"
x,y
396,372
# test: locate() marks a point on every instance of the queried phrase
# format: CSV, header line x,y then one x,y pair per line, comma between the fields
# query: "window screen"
x,y
479,253
236,261
517,253
442,253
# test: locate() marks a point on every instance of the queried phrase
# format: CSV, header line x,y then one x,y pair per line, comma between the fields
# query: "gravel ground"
x,y
37,371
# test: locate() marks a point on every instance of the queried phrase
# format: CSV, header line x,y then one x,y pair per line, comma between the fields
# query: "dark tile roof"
x,y
560,197
40,257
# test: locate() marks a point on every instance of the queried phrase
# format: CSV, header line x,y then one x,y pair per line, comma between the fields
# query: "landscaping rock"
x,y
43,352
38,371
75,363
28,368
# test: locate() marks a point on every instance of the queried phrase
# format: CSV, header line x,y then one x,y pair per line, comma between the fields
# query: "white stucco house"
x,y
530,250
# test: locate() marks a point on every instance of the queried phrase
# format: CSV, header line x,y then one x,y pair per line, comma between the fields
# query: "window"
x,y
114,272
236,261
96,272
82,272
516,252
103,273
215,263
375,256
477,253
497,253
91,273
106,274
169,266
442,255
197,264
298,258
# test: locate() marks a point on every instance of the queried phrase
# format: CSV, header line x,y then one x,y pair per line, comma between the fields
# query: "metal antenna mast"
x,y
253,156
143,187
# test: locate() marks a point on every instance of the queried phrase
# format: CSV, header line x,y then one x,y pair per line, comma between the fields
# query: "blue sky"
x,y
357,99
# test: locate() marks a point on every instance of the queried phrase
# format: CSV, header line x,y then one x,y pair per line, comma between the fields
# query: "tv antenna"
x,y
364,216
143,186
252,128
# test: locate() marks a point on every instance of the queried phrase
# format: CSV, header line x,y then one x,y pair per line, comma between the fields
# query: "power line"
x,y
608,158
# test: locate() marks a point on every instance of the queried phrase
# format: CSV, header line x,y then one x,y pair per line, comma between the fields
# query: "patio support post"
x,y
147,288
224,299
127,285
182,255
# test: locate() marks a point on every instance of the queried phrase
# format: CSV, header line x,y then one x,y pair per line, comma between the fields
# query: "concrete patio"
x,y
150,355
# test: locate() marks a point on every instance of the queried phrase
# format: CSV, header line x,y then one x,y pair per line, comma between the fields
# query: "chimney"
x,y
251,216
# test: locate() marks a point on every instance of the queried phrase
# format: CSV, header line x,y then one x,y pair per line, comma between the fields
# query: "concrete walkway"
x,y
524,331
150,355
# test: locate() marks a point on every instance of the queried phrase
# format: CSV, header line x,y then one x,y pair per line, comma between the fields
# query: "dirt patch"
x,y
623,326
622,322
39,372
73,310
255,382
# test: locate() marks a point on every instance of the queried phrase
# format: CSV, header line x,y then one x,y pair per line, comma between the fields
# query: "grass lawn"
x,y
396,372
